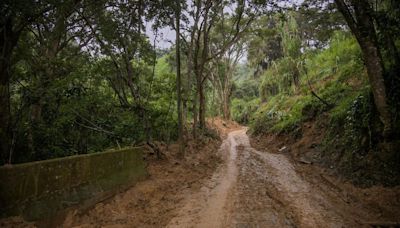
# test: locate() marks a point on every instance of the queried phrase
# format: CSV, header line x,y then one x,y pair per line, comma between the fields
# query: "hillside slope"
x,y
328,115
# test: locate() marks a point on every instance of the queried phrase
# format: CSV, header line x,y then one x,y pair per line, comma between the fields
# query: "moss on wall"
x,y
38,190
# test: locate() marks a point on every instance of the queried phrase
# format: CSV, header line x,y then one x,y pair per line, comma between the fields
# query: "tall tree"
x,y
264,45
53,32
358,15
208,18
222,70
178,79
317,20
118,29
16,16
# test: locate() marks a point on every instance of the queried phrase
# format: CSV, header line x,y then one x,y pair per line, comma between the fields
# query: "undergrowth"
x,y
329,81
332,82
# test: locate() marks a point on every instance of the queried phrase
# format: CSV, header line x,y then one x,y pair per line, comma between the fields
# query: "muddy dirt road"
x,y
255,189
261,189
231,184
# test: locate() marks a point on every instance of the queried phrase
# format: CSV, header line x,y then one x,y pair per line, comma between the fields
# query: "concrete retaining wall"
x,y
39,190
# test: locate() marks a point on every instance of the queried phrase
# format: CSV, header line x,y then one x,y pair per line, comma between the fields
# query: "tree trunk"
x,y
5,114
193,62
8,40
202,107
203,60
226,107
374,64
178,82
195,114
362,26
35,119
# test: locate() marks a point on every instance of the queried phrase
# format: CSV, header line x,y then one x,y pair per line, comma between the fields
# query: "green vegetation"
x,y
83,76
79,77
80,113
330,86
336,75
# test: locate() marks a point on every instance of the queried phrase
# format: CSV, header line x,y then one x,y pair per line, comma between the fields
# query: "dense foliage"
x,y
83,76
325,78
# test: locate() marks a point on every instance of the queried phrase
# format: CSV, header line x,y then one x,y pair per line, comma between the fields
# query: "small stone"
x,y
282,149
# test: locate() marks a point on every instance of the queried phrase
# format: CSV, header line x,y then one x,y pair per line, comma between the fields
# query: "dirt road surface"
x,y
255,189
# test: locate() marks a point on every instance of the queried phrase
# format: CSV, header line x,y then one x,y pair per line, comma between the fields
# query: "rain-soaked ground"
x,y
235,186
256,189
248,189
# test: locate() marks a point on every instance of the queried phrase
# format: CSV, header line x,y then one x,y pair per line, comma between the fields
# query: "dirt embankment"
x,y
258,188
374,205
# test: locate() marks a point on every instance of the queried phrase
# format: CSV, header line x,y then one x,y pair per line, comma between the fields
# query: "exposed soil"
x,y
374,205
261,189
236,185
153,202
